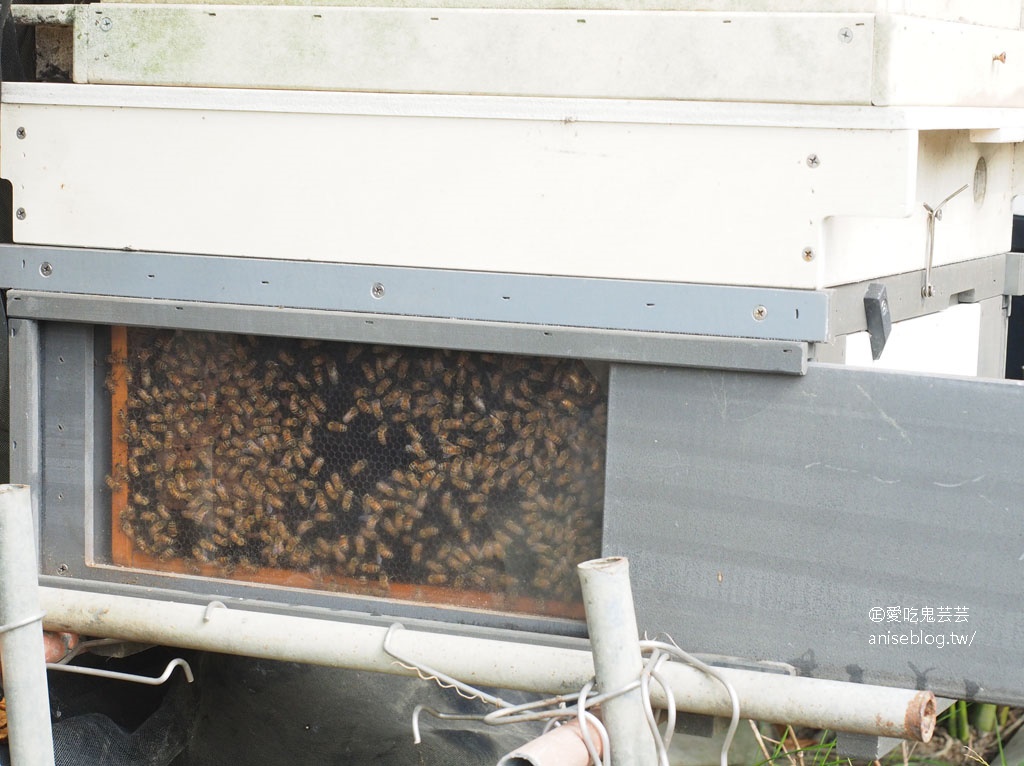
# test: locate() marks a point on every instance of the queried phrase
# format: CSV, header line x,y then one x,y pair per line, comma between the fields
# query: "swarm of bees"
x,y
472,471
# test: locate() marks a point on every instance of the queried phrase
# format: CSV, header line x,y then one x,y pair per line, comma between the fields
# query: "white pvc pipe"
x,y
28,699
835,705
615,641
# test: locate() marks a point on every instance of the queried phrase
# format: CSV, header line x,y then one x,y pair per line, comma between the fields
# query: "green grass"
x,y
968,733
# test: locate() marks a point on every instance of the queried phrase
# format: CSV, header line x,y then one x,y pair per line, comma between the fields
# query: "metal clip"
x,y
208,614
934,214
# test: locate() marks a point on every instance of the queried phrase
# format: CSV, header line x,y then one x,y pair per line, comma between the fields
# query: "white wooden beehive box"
x,y
779,144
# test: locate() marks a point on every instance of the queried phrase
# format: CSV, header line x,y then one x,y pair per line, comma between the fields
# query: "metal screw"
x,y
760,312
377,291
808,254
813,160
1001,58
106,24
20,133
45,268
62,569
846,35
20,213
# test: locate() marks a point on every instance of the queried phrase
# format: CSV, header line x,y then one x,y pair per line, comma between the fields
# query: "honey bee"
x,y
316,467
346,500
335,427
332,372
286,358
382,435
358,467
349,416
438,578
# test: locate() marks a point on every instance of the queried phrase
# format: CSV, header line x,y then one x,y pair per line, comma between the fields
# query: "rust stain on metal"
x,y
920,718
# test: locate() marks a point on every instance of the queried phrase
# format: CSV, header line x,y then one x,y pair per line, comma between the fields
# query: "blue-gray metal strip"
x,y
787,357
746,312
24,360
860,525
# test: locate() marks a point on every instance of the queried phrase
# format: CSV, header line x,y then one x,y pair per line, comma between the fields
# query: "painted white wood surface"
x,y
813,58
995,13
786,58
530,186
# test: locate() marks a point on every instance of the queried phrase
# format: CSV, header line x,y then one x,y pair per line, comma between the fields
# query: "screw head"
x,y
20,133
377,291
813,160
846,35
808,254
760,312
62,569
45,268
20,213
106,24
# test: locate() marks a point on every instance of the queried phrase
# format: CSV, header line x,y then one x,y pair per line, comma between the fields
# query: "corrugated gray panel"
x,y
765,517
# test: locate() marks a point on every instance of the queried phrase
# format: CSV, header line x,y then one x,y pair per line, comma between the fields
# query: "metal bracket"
x,y
879,319
934,214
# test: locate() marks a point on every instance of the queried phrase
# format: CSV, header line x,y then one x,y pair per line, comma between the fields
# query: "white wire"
x,y
533,711
652,663
734,722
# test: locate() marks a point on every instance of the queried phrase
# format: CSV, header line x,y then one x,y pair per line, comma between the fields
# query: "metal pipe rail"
x,y
836,705
21,633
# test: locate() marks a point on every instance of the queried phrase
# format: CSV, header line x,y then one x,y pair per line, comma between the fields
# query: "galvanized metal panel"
x,y
502,337
66,438
570,53
767,517
633,305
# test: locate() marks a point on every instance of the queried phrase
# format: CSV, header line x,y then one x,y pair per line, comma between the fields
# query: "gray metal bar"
x,y
26,415
796,315
964,282
517,338
1014,274
992,338
21,634
614,637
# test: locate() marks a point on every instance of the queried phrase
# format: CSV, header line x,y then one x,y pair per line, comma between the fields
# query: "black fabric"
x,y
265,713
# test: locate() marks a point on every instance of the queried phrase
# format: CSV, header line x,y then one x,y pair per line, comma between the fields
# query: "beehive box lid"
x,y
856,52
